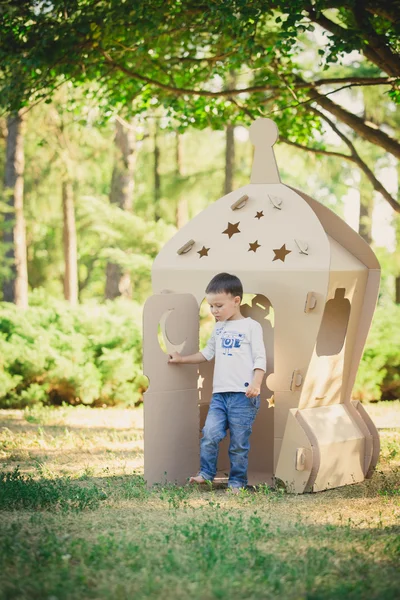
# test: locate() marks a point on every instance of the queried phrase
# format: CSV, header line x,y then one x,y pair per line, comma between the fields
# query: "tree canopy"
x,y
216,62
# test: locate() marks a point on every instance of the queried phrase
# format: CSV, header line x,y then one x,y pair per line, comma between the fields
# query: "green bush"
x,y
52,354
378,377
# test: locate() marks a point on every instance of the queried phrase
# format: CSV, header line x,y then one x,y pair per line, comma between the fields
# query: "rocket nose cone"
x,y
263,132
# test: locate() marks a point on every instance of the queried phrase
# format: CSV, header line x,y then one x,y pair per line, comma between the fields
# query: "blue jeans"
x,y
235,411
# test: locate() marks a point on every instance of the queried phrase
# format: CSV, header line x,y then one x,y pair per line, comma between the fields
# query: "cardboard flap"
x,y
176,318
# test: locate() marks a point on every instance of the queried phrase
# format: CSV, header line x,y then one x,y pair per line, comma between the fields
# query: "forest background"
x,y
123,120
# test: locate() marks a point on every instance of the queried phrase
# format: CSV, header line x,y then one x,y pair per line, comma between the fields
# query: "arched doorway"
x,y
259,308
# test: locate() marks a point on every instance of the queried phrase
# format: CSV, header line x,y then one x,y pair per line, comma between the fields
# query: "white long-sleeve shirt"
x,y
238,347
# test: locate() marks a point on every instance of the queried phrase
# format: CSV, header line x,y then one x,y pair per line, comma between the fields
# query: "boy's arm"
x,y
254,389
191,359
255,386
258,378
194,359
259,360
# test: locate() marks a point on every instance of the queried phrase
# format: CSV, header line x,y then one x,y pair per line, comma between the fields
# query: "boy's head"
x,y
224,294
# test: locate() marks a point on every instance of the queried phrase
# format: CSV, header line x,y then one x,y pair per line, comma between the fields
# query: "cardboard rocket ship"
x,y
321,279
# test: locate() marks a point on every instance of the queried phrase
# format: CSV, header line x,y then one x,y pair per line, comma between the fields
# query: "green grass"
x,y
77,521
18,491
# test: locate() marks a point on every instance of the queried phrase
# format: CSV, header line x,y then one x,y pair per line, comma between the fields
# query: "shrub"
x,y
86,355
379,372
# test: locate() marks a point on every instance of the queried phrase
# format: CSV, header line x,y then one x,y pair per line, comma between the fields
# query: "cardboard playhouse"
x,y
320,280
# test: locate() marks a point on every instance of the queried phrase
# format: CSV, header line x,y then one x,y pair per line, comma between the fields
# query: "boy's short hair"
x,y
225,282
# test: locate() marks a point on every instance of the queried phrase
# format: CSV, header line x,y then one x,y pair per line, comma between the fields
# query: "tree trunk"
x,y
121,193
229,159
181,213
15,289
157,180
70,244
366,208
397,291
123,182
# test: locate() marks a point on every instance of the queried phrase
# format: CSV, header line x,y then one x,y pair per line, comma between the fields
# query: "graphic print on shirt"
x,y
231,340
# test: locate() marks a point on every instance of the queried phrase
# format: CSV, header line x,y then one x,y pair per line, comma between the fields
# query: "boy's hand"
x,y
252,391
175,358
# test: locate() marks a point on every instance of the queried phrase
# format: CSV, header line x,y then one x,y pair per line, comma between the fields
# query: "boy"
x,y
240,365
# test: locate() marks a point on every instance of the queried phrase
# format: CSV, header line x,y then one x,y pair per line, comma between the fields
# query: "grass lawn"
x,y
76,521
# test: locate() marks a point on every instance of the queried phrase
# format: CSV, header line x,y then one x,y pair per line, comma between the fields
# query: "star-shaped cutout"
x,y
280,253
203,251
232,229
259,215
271,401
254,246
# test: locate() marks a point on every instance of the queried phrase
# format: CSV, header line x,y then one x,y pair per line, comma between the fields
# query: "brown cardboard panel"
x,y
277,228
171,436
295,331
316,461
294,438
223,463
341,464
323,385
355,290
344,235
261,455
260,478
203,408
260,310
325,382
206,371
361,424
331,424
284,402
334,324
277,450
341,446
181,327
341,232
374,433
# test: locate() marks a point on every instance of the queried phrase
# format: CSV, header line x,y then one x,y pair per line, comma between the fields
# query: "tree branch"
x,y
176,90
252,89
316,150
207,59
375,136
376,41
357,81
390,13
368,50
356,158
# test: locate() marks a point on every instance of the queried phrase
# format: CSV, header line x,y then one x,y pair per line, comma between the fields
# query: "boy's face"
x,y
223,306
